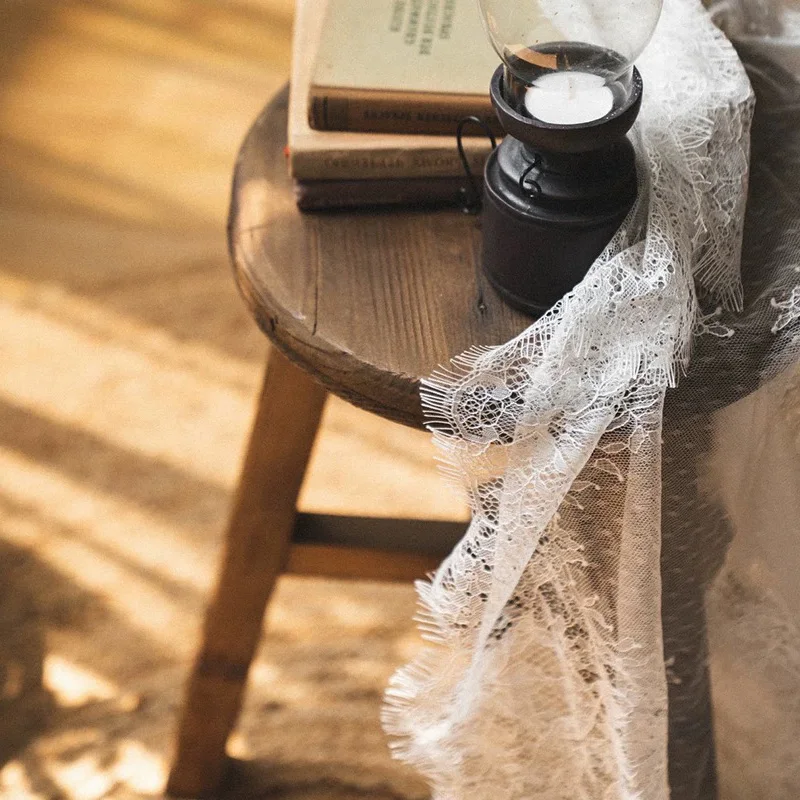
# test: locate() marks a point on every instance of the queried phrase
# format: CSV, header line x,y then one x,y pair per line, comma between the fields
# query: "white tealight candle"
x,y
569,98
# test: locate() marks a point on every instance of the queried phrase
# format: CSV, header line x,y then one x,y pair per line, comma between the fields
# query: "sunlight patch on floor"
x,y
73,685
71,360
15,783
108,388
131,588
117,531
87,777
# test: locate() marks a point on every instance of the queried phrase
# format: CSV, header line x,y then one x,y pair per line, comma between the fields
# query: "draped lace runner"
x,y
568,632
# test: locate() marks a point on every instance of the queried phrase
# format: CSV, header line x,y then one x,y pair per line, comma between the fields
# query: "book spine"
x,y
384,163
373,112
320,195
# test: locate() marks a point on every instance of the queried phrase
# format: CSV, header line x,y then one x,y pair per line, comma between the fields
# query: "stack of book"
x,y
377,90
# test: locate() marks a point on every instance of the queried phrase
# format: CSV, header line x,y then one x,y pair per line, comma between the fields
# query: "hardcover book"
x,y
336,155
411,66
416,192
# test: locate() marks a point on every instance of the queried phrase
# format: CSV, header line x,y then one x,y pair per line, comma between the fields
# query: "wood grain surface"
x,y
369,302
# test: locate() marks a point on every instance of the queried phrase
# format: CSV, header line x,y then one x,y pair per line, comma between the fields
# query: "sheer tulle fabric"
x,y
611,454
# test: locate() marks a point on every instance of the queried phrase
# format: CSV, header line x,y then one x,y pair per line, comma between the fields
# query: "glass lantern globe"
x,y
569,62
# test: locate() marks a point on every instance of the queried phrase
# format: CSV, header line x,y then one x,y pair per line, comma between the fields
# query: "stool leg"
x,y
257,544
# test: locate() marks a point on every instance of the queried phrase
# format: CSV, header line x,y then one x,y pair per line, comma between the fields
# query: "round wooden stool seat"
x,y
368,302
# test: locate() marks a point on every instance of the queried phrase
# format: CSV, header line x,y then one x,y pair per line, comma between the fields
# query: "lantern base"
x,y
538,243
552,201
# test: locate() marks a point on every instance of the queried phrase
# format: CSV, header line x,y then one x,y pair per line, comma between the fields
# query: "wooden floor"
x,y
128,370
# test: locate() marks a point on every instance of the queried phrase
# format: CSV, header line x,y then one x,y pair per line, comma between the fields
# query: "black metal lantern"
x,y
564,177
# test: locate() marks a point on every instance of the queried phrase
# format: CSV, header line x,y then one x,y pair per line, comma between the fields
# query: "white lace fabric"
x,y
567,631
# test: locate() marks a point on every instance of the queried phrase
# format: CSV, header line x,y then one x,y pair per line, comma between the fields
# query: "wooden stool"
x,y
361,304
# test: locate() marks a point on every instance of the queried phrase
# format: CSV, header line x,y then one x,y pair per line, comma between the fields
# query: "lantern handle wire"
x,y
531,188
471,204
